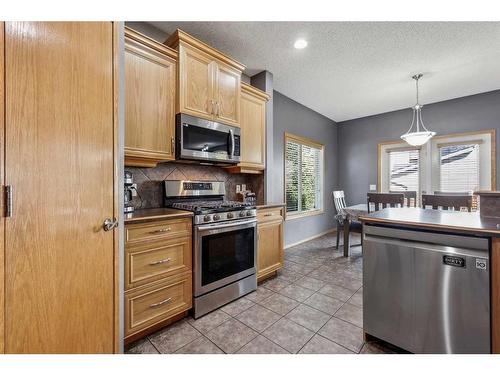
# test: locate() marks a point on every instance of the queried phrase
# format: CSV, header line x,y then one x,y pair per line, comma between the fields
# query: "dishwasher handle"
x,y
448,240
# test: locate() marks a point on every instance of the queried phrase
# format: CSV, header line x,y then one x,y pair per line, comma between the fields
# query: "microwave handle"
x,y
231,146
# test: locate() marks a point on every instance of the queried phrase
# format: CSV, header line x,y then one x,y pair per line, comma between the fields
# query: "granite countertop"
x,y
156,213
270,205
469,222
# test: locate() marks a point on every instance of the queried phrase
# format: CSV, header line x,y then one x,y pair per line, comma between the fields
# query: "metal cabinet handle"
x,y
9,200
160,261
172,145
109,224
270,214
161,303
163,230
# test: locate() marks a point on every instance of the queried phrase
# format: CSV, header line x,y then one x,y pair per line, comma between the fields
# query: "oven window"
x,y
226,254
204,140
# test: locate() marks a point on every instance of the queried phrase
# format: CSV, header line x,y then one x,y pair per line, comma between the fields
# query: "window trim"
x,y
311,143
381,147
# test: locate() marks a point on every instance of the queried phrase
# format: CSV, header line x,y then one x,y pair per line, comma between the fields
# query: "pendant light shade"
x,y
420,135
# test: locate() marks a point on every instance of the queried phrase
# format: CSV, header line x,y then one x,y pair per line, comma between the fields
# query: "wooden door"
x,y
59,149
149,102
227,94
196,83
270,247
253,131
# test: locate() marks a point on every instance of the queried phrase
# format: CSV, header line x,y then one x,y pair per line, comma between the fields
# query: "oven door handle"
x,y
226,225
231,143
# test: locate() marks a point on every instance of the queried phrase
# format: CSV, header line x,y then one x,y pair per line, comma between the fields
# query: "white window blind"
x,y
459,168
404,172
303,176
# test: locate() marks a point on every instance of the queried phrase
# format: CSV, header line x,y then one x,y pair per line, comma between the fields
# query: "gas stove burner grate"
x,y
211,205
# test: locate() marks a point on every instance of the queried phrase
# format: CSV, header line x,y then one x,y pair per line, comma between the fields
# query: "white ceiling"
x,y
355,69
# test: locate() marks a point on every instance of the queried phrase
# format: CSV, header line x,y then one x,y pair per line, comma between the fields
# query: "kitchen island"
x,y
430,259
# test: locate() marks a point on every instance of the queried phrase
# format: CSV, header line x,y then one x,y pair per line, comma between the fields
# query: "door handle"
x,y
109,224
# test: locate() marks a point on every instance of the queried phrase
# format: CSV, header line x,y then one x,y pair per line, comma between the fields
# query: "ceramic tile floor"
x,y
314,305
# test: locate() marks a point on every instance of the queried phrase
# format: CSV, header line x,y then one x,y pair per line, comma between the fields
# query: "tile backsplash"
x,y
150,187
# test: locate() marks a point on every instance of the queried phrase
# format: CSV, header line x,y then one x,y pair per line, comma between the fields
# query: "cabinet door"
x,y
270,247
59,146
149,106
196,83
253,131
227,94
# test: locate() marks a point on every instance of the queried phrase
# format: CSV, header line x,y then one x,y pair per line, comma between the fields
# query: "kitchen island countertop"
x,y
449,221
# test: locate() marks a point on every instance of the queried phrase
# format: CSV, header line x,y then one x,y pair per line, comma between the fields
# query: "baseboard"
x,y
310,238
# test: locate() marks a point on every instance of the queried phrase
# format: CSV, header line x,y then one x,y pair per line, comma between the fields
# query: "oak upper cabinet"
x,y
270,251
253,130
208,82
150,75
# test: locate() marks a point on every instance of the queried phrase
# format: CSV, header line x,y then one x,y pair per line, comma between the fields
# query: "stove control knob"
x,y
242,213
216,217
230,215
206,218
249,213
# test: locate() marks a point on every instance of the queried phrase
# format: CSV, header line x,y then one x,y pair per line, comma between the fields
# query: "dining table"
x,y
352,213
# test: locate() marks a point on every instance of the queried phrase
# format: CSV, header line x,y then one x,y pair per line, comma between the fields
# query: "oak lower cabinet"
x,y
208,81
58,89
158,274
253,131
150,75
270,251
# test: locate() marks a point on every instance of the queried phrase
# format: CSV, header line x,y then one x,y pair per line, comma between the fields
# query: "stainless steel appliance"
x,y
130,191
426,292
224,243
204,140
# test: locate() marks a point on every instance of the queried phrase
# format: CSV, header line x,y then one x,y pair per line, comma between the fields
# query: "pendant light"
x,y
419,136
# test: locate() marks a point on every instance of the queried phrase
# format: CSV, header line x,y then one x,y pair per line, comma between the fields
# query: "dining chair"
x,y
446,202
410,197
340,217
384,200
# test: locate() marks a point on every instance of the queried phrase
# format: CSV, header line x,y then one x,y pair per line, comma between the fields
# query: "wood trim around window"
x,y
491,132
311,143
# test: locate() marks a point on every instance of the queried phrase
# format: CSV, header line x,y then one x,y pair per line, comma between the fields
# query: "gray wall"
x,y
358,138
293,117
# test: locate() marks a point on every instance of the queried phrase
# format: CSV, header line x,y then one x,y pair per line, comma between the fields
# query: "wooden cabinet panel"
x,y
270,245
157,260
156,230
60,161
253,130
196,86
209,82
156,302
227,94
150,74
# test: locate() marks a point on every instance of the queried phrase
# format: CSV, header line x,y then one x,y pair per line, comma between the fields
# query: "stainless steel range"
x,y
224,242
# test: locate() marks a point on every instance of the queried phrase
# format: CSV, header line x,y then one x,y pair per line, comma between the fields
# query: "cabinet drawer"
x,y
135,233
154,303
269,214
157,260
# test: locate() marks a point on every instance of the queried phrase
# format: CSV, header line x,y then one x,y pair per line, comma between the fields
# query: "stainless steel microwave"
x,y
205,140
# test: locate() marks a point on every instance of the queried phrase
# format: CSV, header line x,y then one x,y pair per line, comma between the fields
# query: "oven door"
x,y
223,253
199,139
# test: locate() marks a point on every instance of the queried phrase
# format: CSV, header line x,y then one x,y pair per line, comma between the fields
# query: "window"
x,y
404,170
303,176
458,167
447,164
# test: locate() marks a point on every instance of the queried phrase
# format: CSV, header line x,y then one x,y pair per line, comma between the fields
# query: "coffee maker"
x,y
129,193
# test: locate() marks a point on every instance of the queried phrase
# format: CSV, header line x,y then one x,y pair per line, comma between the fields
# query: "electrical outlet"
x,y
238,188
373,187
243,187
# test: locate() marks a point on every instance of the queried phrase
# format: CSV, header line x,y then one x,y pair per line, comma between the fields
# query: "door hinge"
x,y
8,201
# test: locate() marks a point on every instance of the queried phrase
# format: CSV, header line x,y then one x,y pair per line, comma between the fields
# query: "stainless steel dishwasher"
x,y
426,292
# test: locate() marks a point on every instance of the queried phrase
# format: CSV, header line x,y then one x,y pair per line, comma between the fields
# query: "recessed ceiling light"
x,y
300,44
